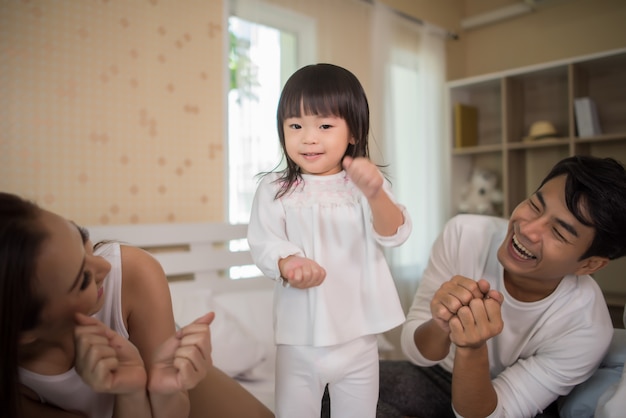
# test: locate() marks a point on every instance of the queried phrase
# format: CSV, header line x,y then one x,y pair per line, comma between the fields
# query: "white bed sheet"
x,y
254,310
260,382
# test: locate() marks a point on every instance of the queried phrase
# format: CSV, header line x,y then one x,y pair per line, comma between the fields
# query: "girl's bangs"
x,y
312,103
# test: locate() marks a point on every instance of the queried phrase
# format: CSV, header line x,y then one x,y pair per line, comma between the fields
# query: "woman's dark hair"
x,y
21,236
329,90
595,193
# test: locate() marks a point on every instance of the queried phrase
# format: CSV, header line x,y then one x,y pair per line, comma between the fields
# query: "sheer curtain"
x,y
408,66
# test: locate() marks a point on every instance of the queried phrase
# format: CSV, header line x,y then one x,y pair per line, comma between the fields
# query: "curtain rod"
x,y
449,34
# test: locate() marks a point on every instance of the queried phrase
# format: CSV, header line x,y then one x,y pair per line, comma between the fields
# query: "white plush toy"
x,y
480,194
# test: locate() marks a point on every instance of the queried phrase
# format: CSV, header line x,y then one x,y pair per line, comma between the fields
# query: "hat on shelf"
x,y
541,129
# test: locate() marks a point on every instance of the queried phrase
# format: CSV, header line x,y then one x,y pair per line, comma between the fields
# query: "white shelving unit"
x,y
509,102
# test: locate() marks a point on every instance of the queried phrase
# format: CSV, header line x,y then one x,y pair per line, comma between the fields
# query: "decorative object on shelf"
x,y
587,122
541,129
481,194
466,125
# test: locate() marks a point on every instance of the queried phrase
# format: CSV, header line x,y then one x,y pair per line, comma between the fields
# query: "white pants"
x,y
350,369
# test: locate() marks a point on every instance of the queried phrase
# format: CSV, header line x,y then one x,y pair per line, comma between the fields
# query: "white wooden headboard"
x,y
193,255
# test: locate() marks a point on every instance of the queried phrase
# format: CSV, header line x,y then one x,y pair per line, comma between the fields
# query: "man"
x,y
507,317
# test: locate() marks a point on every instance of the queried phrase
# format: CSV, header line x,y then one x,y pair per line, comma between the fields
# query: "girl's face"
x,y
317,143
69,277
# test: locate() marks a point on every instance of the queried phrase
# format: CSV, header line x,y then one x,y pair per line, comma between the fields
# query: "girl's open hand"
x,y
105,360
183,360
364,174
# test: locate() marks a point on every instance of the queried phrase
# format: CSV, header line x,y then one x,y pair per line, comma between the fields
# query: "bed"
x,y
201,262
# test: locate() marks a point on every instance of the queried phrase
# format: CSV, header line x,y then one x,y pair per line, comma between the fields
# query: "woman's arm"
x,y
147,309
147,306
109,363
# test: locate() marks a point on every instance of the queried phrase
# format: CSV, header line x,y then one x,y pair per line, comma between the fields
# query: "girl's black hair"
x,y
328,90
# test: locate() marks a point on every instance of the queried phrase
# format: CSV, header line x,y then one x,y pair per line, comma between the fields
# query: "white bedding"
x,y
241,334
260,381
254,310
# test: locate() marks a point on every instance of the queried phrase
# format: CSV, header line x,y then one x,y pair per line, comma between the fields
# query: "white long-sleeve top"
x,y
326,219
545,348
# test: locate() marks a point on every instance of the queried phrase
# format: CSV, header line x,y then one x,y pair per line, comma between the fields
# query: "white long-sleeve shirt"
x,y
546,347
326,219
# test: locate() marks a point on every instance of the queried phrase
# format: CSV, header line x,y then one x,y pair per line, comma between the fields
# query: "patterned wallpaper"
x,y
112,110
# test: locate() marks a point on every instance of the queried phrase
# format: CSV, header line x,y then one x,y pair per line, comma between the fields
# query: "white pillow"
x,y
234,349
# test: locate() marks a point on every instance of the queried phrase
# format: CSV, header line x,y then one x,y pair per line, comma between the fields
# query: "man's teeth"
x,y
521,250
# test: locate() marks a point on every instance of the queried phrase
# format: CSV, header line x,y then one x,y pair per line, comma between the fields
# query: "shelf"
x,y
601,138
543,143
510,102
479,149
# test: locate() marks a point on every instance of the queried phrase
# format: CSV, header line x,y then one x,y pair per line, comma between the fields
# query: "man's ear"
x,y
592,264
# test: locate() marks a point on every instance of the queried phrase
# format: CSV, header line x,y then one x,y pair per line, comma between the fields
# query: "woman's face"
x,y
69,277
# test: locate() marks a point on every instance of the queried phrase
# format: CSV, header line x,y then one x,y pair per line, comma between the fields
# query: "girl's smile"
x,y
316,143
312,156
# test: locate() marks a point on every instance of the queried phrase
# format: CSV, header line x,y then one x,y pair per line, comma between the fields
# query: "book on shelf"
x,y
587,122
466,125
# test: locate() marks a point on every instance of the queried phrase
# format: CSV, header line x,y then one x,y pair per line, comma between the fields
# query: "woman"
x,y
90,332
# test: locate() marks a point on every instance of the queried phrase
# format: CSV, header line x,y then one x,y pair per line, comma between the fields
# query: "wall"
x,y
112,111
560,29
444,13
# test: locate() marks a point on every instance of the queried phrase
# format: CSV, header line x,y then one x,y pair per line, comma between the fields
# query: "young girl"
x,y
90,332
318,228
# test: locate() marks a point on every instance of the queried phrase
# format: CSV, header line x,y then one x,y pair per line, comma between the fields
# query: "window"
x,y
267,44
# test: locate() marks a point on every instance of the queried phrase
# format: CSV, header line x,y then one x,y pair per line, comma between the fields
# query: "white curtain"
x,y
408,66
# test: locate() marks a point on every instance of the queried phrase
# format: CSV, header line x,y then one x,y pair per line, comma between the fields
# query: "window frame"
x,y
303,27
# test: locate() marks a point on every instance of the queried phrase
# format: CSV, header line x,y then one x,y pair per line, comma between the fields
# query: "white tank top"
x,y
67,390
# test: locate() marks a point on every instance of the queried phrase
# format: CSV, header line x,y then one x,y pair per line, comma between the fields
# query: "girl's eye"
x,y
294,126
533,205
86,280
325,127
